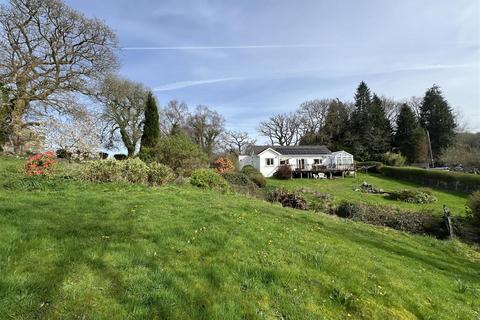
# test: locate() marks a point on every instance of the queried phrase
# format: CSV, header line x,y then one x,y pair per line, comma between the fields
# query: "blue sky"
x,y
251,58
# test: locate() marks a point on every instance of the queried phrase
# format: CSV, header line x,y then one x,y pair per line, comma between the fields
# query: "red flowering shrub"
x,y
42,164
224,164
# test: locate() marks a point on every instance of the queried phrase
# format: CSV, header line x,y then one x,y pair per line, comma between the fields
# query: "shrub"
x,y
393,159
287,199
208,179
413,222
103,155
238,178
63,154
102,171
160,174
473,205
223,164
134,171
435,178
255,175
180,154
283,172
420,196
42,164
120,156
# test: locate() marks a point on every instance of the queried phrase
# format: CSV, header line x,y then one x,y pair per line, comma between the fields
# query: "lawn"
x,y
71,250
344,189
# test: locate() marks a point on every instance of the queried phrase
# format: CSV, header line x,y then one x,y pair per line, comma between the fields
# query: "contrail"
x,y
270,46
191,83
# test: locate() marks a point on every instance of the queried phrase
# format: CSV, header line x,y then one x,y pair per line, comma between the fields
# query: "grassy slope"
x,y
344,189
70,250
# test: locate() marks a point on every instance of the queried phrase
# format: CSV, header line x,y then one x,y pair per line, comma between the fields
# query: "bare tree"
x,y
174,115
47,51
391,107
312,114
124,103
237,141
281,129
205,127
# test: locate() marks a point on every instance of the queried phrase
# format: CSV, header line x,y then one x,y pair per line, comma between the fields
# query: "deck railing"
x,y
323,168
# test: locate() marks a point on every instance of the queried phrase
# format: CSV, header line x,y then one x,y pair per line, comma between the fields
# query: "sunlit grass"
x,y
70,250
344,189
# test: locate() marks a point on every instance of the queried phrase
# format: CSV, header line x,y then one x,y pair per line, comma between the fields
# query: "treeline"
x,y
370,126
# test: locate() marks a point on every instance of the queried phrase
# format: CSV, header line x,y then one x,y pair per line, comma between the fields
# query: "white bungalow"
x,y
267,159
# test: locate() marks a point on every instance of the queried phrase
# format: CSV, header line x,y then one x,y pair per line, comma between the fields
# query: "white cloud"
x,y
191,83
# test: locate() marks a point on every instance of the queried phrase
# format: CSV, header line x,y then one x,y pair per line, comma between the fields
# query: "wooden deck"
x,y
311,171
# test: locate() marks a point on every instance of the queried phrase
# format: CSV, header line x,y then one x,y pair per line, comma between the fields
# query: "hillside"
x,y
114,251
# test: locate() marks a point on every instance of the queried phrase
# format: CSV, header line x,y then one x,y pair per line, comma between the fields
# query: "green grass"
x,y
70,250
344,189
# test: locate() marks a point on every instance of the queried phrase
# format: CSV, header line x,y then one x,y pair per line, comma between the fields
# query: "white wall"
x,y
245,160
268,171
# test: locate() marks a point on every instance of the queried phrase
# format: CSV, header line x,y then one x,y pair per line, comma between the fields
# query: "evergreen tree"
x,y
151,127
437,117
378,130
359,122
335,129
406,133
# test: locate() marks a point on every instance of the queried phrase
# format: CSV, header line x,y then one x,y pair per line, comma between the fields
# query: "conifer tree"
x,y
151,128
406,133
378,130
437,117
359,122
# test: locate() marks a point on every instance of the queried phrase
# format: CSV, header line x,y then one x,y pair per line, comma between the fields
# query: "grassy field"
x,y
344,189
70,250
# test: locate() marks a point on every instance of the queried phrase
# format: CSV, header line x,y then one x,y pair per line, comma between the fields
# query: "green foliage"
x,y
287,199
151,127
437,117
109,170
370,130
208,179
405,138
160,174
393,159
335,131
255,175
375,165
473,205
435,178
461,154
134,171
181,154
241,183
413,222
420,196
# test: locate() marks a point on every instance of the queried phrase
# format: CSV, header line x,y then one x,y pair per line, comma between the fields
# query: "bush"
x,y
120,156
160,174
42,164
208,179
473,205
255,175
103,155
63,154
283,172
223,164
287,199
134,171
413,222
238,179
420,196
393,159
180,154
435,178
109,170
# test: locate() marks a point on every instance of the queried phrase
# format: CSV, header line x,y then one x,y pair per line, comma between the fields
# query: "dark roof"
x,y
294,150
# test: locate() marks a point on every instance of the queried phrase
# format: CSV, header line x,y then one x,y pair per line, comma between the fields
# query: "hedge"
x,y
456,181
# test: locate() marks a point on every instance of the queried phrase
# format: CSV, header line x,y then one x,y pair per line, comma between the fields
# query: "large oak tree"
x,y
49,50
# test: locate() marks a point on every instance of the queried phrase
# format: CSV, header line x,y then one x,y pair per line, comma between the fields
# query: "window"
x,y
269,161
283,162
316,161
